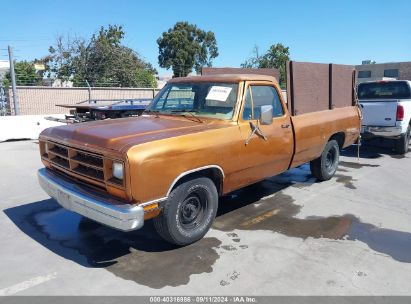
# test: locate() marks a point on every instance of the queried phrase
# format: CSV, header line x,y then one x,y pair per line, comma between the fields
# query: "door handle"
x,y
255,129
285,126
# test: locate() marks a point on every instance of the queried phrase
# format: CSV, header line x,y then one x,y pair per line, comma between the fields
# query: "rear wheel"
x,y
402,144
188,212
324,167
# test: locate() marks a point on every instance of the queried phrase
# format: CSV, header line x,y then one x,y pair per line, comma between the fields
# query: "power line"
x,y
26,40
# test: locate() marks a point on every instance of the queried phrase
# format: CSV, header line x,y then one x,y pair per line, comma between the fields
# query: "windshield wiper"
x,y
191,112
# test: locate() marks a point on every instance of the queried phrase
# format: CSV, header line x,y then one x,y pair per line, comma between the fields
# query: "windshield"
x,y
384,90
215,100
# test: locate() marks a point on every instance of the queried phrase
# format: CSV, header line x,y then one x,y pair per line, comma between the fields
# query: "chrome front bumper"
x,y
91,204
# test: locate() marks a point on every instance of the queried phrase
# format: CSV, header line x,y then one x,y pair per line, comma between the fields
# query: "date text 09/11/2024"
x,y
203,299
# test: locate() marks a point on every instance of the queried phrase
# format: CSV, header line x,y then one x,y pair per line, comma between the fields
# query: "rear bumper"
x,y
91,204
388,132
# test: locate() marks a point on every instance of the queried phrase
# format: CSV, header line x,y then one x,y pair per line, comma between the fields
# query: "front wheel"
x,y
188,212
324,167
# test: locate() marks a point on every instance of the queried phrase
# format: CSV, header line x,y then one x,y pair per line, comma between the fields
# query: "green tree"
x,y
101,61
275,57
25,75
185,47
254,61
59,62
6,82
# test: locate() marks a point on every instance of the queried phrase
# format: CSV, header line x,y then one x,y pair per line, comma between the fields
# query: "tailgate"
x,y
379,112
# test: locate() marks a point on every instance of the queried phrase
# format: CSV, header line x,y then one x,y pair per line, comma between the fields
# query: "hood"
x,y
120,134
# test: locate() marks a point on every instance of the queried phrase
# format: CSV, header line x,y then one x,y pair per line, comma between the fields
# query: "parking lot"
x,y
287,235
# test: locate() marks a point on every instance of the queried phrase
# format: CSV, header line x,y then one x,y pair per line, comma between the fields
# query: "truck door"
x,y
268,153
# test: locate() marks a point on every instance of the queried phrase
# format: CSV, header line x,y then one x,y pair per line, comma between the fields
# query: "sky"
x,y
344,32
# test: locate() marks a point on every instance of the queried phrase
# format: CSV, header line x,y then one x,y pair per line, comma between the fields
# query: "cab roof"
x,y
232,78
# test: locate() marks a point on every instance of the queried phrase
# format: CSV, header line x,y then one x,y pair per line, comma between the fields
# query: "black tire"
x,y
324,167
188,212
402,144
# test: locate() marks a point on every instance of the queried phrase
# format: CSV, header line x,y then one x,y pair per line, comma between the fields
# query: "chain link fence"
x,y
4,108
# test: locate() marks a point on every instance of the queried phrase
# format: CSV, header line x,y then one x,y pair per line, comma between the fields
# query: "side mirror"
x,y
266,116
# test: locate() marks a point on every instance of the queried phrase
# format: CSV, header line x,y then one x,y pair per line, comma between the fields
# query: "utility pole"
x,y
89,91
13,82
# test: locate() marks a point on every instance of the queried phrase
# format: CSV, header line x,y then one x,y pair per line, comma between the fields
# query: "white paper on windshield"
x,y
219,93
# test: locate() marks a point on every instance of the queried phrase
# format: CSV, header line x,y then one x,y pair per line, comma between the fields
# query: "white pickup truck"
x,y
386,108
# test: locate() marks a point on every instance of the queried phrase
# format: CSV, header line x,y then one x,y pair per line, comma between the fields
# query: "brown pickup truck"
x,y
200,138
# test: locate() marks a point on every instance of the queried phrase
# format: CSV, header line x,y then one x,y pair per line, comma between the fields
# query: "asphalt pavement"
x,y
287,235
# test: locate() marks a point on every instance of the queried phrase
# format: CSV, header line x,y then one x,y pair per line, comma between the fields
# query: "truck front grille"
x,y
88,167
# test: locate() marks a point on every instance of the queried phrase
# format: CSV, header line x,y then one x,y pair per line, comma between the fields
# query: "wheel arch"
x,y
339,137
213,172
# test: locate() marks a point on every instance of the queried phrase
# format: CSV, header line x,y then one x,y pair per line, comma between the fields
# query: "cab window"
x,y
258,96
248,106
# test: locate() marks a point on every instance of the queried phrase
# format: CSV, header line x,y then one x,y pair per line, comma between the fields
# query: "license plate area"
x,y
63,197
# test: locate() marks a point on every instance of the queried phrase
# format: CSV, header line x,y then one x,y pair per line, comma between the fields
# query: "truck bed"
x,y
313,130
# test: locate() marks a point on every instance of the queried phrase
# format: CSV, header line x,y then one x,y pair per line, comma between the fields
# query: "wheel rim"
x,y
192,210
331,159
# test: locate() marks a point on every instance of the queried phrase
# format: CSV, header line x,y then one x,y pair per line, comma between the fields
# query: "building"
x,y
162,80
369,71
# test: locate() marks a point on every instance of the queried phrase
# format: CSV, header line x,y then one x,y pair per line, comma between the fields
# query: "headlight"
x,y
118,171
